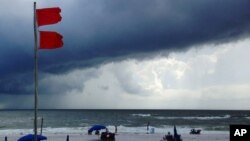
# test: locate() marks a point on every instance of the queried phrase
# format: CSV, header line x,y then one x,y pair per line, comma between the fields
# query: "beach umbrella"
x,y
96,127
175,132
30,137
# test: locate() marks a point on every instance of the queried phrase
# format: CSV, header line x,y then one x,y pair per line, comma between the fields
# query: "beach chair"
x,y
194,131
107,136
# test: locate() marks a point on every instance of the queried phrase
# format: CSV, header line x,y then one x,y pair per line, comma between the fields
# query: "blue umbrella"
x,y
96,127
175,132
30,137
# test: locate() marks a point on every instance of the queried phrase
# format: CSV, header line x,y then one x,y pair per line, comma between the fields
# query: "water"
x,y
76,121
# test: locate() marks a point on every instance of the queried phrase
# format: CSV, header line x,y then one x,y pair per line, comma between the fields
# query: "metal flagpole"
x,y
35,74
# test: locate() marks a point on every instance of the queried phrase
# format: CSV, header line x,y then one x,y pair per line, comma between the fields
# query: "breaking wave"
x,y
197,118
142,115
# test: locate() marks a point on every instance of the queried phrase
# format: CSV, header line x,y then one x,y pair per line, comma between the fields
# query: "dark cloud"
x,y
101,31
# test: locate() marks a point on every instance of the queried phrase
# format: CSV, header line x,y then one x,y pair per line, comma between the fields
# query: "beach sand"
x,y
206,136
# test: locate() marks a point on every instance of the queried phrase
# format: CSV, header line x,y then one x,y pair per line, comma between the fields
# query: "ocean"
x,y
135,121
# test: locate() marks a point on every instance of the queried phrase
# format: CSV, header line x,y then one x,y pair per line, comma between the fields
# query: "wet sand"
x,y
205,136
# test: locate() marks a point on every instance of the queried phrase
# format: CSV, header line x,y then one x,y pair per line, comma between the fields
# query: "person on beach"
x,y
97,132
168,137
89,133
148,127
116,129
107,130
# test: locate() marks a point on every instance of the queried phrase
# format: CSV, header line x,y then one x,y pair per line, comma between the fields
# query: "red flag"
x,y
48,16
50,40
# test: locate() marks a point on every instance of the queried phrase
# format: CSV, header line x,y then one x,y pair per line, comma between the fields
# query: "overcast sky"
x,y
133,54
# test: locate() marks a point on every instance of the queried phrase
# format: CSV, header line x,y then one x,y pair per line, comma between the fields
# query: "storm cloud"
x,y
97,32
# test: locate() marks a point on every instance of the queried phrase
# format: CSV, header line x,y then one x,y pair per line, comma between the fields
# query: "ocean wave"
x,y
7,132
217,128
84,130
197,118
142,115
121,129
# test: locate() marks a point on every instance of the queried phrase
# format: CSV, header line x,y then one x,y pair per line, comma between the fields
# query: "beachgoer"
x,y
107,133
148,126
107,130
169,137
116,129
97,132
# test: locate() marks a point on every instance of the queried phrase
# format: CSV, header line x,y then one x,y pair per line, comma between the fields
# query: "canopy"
x,y
96,127
30,137
175,132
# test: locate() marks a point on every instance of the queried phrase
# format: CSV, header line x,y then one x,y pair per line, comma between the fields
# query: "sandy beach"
x,y
206,136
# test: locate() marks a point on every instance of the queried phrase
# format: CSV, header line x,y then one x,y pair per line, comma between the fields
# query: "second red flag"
x,y
50,40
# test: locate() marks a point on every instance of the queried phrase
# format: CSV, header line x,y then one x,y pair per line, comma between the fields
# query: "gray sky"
x,y
129,54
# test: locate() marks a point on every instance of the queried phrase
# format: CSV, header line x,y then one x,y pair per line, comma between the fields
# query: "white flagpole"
x,y
35,74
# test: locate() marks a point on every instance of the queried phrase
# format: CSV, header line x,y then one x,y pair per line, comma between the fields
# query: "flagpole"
x,y
35,74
